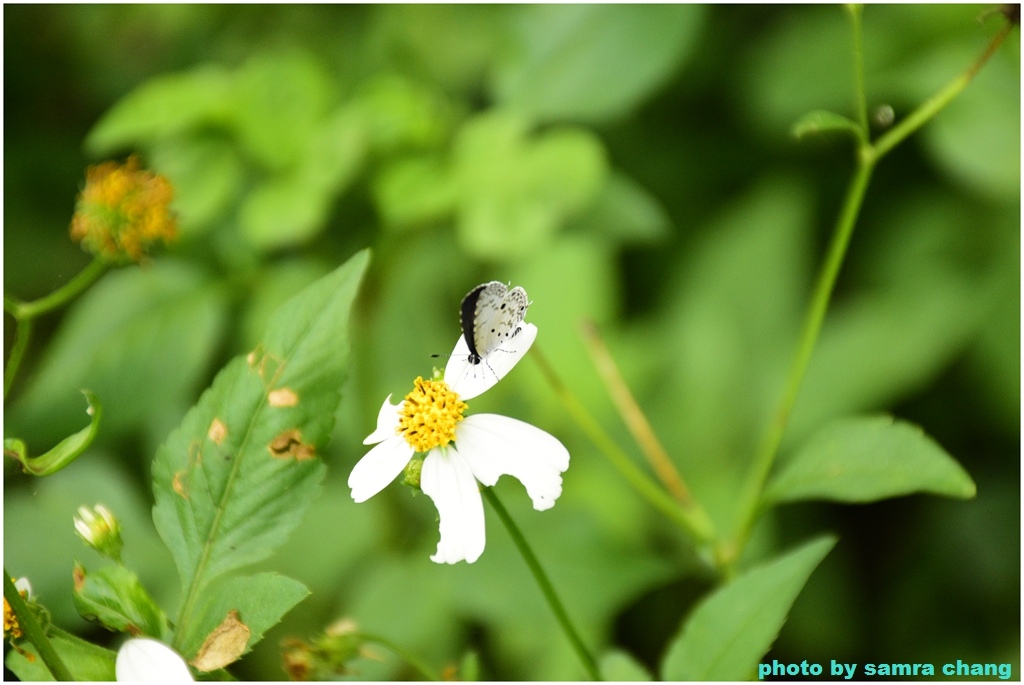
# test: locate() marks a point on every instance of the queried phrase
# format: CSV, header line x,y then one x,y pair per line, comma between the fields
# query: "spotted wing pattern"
x,y
491,314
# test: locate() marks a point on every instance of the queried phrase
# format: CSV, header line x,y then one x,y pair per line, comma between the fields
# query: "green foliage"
x,y
86,661
630,166
865,459
239,473
730,630
64,452
114,596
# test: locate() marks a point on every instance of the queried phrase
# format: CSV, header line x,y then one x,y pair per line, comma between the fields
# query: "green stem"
x,y
868,156
60,296
25,312
402,653
765,455
856,11
22,334
545,585
933,105
692,518
34,633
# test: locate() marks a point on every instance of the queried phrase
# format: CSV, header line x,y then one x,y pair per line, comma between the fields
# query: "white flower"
x,y
460,450
143,659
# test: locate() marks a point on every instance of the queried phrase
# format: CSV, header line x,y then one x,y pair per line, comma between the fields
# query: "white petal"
x,y
470,380
387,422
148,660
22,585
448,481
378,467
497,445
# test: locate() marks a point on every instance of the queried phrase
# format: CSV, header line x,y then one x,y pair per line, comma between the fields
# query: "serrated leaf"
x,y
66,451
729,632
246,604
162,107
114,596
865,459
822,121
238,474
86,661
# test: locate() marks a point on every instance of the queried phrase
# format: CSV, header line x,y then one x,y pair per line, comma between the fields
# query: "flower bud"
x,y
123,212
100,530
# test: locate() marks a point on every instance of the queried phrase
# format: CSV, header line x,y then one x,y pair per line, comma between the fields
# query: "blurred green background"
x,y
628,165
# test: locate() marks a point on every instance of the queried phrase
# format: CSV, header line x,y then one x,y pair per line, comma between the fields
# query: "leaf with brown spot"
x,y
226,507
282,397
218,431
289,445
224,645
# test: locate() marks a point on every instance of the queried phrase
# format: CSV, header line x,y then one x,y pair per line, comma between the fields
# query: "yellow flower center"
x,y
429,415
11,627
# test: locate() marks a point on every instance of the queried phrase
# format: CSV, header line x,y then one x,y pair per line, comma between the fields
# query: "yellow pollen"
x,y
11,627
429,415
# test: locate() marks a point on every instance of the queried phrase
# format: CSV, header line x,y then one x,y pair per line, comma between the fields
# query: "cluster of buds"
x,y
123,212
100,530
327,657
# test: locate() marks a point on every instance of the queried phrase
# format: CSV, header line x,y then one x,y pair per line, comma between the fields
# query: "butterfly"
x,y
490,315
494,337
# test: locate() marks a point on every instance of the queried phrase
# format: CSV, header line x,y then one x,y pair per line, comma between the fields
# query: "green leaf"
x,y
164,106
822,121
626,211
515,191
258,601
414,191
593,62
66,451
140,339
865,459
620,666
85,660
207,174
238,474
729,632
278,100
114,596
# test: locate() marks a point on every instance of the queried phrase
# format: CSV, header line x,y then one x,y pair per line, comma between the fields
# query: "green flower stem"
x,y
25,312
59,297
34,633
402,653
691,518
545,585
868,156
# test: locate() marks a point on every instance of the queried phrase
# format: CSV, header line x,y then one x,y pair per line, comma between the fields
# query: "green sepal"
x,y
114,596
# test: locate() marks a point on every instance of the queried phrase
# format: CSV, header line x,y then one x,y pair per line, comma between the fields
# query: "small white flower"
x,y
460,450
147,660
24,587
